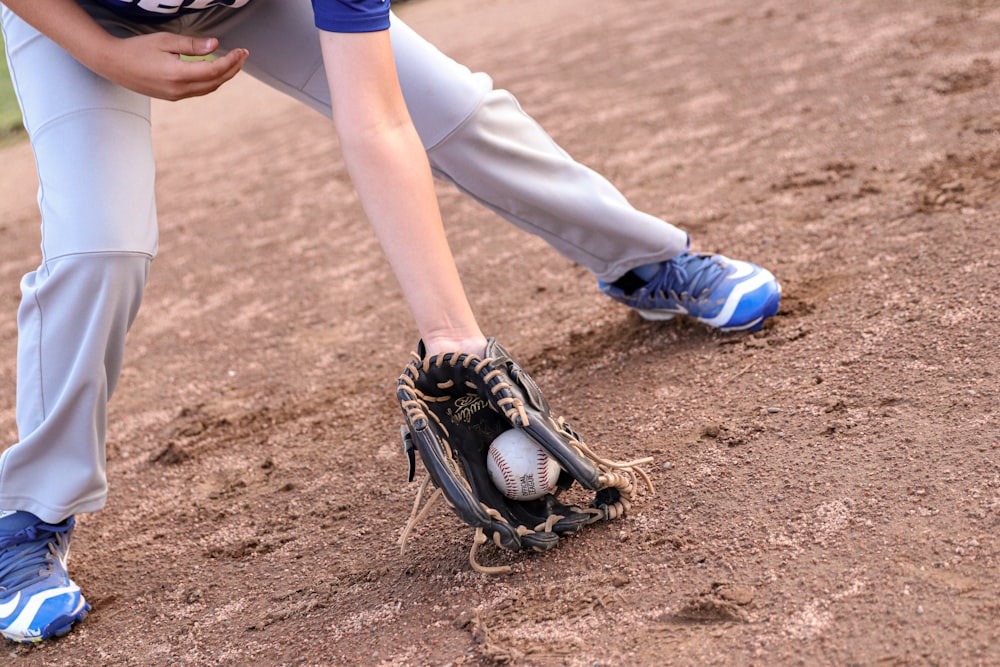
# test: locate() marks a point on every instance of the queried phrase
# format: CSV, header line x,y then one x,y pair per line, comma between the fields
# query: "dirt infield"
x,y
827,490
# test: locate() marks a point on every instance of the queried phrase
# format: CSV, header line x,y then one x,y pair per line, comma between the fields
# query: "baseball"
x,y
520,468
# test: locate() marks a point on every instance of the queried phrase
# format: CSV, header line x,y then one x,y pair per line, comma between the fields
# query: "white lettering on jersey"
x,y
172,6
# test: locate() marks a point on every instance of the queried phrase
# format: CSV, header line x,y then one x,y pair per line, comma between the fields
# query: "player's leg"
x,y
463,122
500,156
94,159
479,139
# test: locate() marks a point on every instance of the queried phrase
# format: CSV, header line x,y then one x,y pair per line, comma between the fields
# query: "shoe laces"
x,y
689,277
30,554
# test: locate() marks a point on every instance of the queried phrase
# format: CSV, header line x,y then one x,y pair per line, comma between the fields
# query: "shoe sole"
x,y
60,631
770,308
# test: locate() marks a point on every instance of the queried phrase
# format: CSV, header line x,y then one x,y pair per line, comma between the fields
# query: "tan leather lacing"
x,y
480,538
415,517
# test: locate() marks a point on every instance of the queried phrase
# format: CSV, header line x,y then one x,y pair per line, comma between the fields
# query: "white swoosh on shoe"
x,y
21,626
7,608
743,269
733,301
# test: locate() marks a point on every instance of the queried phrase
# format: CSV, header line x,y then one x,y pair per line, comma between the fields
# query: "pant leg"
x,y
503,158
476,137
93,152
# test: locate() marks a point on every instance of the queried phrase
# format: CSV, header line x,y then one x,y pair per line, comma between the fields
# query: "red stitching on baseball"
x,y
543,477
508,475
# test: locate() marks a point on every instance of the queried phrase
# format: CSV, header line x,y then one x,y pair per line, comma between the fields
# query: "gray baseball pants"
x,y
94,157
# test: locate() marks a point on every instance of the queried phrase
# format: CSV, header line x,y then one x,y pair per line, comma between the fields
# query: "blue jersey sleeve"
x,y
351,15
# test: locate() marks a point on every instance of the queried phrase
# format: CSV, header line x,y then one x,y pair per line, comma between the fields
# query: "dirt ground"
x,y
827,489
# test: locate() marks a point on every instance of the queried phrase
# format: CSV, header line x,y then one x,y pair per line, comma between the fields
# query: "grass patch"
x,y
10,114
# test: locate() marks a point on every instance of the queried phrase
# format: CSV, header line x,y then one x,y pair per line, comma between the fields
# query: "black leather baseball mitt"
x,y
455,405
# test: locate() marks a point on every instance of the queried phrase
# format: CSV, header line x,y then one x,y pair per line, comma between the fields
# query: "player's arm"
x,y
392,176
147,64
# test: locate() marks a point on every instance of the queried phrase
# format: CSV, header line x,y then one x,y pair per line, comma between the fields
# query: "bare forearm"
x,y
65,23
394,183
390,171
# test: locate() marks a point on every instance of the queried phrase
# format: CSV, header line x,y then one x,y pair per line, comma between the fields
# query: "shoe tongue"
x,y
13,521
647,271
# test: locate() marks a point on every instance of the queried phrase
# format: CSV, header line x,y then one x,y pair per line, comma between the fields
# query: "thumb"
x,y
195,46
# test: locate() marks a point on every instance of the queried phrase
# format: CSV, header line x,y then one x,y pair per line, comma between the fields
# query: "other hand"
x,y
152,65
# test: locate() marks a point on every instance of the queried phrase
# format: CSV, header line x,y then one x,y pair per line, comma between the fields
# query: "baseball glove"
x,y
455,405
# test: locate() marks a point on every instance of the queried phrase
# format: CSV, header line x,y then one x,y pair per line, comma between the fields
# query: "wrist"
x,y
442,343
96,49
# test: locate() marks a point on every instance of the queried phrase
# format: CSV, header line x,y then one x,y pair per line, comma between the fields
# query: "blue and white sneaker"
x,y
727,294
37,598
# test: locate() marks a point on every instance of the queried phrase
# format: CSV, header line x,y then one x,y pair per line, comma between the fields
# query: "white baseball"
x,y
520,468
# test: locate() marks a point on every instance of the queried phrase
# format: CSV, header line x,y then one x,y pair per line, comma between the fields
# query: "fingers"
x,y
199,46
205,46
183,45
233,62
216,72
200,77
